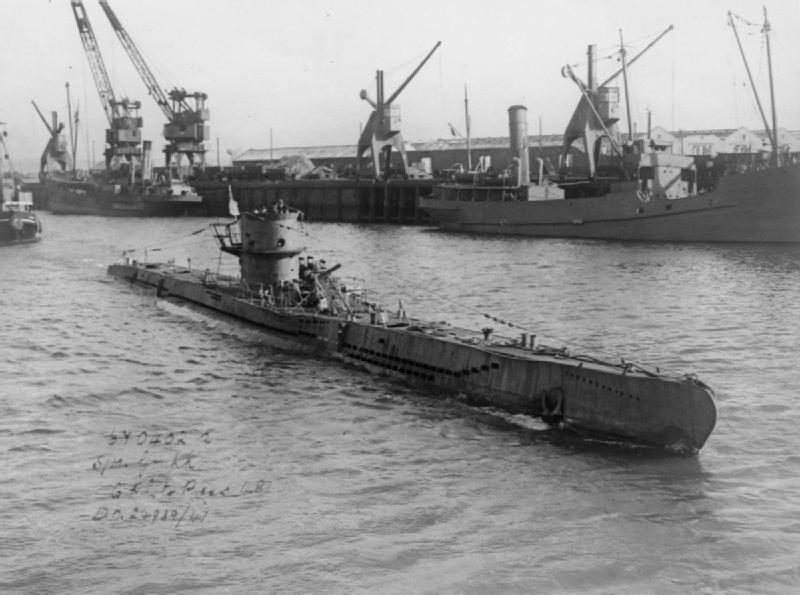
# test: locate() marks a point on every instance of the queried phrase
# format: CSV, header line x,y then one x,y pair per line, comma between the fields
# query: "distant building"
x,y
662,140
451,154
744,140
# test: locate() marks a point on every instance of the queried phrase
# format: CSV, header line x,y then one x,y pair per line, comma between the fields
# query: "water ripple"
x,y
346,482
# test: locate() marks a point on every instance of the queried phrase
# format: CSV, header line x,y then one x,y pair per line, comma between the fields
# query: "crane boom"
x,y
138,61
50,129
382,131
124,132
186,129
413,74
98,67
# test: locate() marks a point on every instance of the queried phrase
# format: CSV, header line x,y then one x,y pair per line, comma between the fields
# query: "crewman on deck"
x,y
312,265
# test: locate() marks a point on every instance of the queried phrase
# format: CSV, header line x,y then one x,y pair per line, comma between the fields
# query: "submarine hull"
x,y
614,400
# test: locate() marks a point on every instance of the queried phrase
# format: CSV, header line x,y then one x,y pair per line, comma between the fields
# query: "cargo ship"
x,y
125,188
126,185
628,191
667,203
99,196
304,308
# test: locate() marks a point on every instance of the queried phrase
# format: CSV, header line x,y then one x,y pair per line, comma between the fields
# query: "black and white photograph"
x,y
349,296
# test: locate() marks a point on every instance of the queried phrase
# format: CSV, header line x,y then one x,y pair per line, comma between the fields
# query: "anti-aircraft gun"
x,y
382,131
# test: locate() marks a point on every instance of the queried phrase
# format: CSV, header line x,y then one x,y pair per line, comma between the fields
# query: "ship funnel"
x,y
591,58
270,247
518,135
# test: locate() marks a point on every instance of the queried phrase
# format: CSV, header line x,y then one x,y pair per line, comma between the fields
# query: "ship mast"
x,y
466,116
775,156
625,80
73,133
773,133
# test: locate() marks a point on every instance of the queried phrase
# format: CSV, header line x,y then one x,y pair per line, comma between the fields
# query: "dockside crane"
x,y
382,132
57,150
186,129
124,134
597,112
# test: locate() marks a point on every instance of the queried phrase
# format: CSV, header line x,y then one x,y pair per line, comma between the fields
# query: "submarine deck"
x,y
497,344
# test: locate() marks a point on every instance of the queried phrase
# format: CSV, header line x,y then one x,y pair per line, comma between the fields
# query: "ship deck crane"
x,y
382,132
124,134
186,130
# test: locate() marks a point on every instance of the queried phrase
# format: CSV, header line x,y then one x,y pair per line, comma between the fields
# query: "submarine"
x,y
304,308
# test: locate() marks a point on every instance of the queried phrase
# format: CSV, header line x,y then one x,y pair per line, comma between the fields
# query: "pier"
x,y
344,200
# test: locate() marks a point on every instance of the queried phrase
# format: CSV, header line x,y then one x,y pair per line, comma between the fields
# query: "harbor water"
x,y
148,447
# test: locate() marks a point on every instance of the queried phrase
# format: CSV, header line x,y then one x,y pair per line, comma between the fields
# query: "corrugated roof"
x,y
310,152
452,144
345,151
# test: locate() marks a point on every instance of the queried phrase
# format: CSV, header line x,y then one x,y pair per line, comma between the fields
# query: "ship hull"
x,y
68,197
757,206
676,413
19,227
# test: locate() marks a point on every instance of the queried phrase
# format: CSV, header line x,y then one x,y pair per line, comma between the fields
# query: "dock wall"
x,y
353,201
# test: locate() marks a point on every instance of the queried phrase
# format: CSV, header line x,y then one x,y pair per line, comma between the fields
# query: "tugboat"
x,y
18,224
305,309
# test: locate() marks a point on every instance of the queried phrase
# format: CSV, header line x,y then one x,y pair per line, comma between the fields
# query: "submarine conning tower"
x,y
518,137
270,245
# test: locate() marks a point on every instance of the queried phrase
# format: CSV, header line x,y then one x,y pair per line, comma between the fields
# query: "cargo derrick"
x,y
56,152
382,131
124,134
186,130
597,112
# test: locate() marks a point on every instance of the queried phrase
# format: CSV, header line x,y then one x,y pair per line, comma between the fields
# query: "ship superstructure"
x,y
18,223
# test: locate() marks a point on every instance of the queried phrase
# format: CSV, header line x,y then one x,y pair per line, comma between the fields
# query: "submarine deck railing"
x,y
367,302
228,236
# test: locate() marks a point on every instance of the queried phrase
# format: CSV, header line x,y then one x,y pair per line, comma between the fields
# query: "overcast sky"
x,y
296,67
